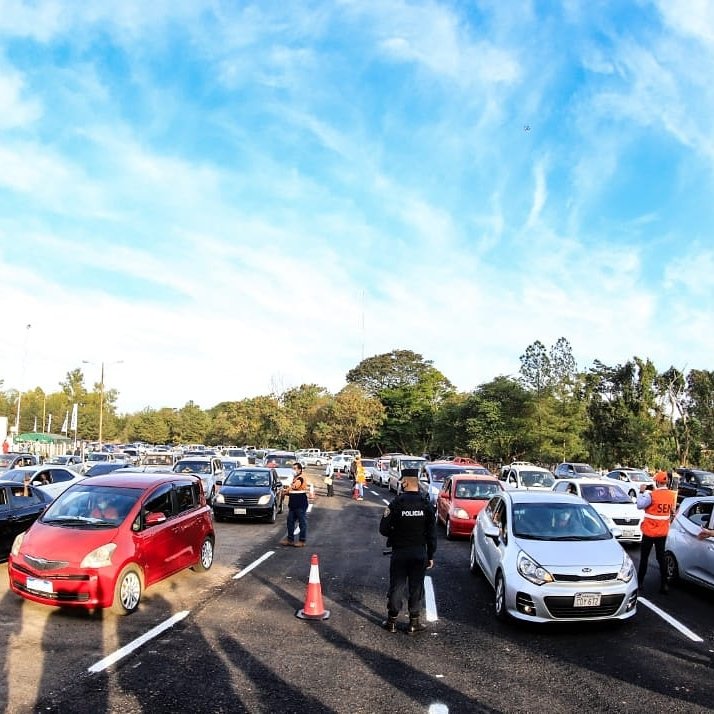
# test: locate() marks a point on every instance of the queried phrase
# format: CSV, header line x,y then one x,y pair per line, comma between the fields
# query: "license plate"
x,y
42,586
239,511
587,600
629,532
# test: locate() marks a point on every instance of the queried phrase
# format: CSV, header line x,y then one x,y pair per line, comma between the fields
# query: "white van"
x,y
402,465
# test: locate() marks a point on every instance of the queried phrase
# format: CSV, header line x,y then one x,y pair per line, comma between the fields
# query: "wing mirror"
x,y
153,519
616,532
491,531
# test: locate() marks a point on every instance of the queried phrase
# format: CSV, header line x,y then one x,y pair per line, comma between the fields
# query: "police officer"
x,y
409,525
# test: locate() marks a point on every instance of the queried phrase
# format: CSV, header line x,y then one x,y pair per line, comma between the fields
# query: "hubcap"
x,y
130,591
499,595
207,553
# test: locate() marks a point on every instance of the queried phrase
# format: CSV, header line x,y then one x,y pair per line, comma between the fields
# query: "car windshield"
x,y
558,521
193,467
247,478
638,476
91,507
537,478
158,460
412,464
368,463
274,460
596,493
584,469
235,453
475,490
98,456
19,474
705,478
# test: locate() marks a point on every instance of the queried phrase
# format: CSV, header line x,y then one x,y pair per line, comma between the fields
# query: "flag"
x,y
49,423
73,422
65,422
34,428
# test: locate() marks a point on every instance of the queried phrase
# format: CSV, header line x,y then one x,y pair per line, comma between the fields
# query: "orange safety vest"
x,y
659,513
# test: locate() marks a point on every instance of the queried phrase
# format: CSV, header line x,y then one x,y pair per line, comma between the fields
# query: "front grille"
x,y
563,607
627,521
241,501
564,578
44,564
57,597
19,568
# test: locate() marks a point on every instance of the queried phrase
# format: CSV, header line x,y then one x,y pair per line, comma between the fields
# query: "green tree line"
x,y
551,411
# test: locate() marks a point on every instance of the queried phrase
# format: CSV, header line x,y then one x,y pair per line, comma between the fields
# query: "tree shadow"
x,y
11,606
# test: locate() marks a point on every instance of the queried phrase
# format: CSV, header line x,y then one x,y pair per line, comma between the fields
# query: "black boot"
x,y
390,624
415,625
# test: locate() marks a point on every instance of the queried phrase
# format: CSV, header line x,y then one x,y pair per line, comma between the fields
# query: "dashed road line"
x,y
138,642
431,613
384,500
668,618
309,507
374,493
254,564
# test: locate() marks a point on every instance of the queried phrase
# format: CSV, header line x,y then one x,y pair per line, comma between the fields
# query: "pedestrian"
x,y
329,483
360,478
296,494
5,446
659,505
409,526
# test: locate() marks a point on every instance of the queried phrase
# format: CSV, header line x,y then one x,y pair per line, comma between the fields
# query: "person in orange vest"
x,y
659,505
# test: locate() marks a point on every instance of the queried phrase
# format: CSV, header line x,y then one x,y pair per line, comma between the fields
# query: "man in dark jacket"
x,y
297,508
410,527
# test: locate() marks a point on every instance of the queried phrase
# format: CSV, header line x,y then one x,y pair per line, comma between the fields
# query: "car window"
x,y
19,498
186,497
60,475
596,493
160,502
558,521
700,514
475,490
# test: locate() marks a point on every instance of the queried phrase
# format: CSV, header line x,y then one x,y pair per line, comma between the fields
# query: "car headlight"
x,y
627,570
532,571
99,557
264,499
16,544
220,498
459,513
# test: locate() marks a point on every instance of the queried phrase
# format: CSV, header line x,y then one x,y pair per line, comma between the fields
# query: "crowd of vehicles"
x,y
550,544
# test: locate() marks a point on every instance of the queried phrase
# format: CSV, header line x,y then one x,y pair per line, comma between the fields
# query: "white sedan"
x,y
51,479
611,501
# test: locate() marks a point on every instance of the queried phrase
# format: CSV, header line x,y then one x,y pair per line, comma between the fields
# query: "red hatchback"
x,y
461,499
105,539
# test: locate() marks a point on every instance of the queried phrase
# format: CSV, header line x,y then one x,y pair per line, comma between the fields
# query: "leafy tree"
x,y
149,426
350,419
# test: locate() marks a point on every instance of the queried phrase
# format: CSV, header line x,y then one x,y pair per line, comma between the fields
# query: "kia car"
x,y
460,501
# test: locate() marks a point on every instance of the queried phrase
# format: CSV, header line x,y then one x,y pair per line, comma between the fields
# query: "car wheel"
x,y
474,567
671,567
500,598
449,534
273,514
127,591
205,560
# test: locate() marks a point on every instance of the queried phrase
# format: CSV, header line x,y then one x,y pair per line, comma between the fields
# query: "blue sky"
x,y
237,198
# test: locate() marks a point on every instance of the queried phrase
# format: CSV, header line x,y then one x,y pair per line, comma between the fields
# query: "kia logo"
x,y
587,570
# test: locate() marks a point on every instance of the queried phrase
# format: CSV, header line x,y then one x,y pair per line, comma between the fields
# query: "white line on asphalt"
x,y
384,500
254,564
309,507
668,618
431,614
438,708
374,493
134,644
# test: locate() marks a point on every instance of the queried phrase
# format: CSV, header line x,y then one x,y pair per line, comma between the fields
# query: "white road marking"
x,y
254,564
374,493
309,507
384,500
138,642
431,614
438,707
668,618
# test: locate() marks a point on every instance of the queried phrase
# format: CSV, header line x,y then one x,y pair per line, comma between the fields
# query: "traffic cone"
x,y
313,609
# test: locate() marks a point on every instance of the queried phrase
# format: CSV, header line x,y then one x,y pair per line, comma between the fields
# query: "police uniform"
x,y
410,528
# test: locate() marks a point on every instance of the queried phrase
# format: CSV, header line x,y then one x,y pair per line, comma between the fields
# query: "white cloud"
x,y
16,110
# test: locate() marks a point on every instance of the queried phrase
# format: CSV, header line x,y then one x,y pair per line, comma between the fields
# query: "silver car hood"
x,y
574,553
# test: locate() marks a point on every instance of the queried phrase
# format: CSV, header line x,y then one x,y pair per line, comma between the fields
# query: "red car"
x,y
461,499
106,538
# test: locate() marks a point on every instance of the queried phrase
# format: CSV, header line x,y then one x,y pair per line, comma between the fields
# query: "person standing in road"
x,y
409,526
659,505
360,478
329,483
296,494
5,446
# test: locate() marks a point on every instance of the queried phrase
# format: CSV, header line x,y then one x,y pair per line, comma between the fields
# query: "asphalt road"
x,y
238,646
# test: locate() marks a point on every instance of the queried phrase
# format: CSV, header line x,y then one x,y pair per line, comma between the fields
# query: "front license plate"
x,y
587,600
42,586
629,532
239,511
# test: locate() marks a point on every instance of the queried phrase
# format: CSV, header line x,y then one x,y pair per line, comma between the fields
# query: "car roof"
x,y
146,479
450,466
589,481
523,496
474,477
259,468
196,458
32,467
528,467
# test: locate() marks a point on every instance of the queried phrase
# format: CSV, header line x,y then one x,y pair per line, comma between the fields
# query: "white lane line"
x,y
438,708
384,500
374,493
309,507
254,564
431,614
668,618
138,642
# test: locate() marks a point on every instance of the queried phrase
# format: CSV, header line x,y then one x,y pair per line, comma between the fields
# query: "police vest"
x,y
659,513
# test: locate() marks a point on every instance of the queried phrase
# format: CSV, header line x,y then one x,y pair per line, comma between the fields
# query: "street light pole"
x,y
22,380
101,397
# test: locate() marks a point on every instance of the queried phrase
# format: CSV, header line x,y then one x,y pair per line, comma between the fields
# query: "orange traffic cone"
x,y
313,609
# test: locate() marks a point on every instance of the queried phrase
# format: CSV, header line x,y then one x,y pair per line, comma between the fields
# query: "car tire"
x,y
499,600
671,567
127,591
474,567
449,533
273,514
205,558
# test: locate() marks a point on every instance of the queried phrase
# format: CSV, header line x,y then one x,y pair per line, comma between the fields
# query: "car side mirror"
x,y
492,532
616,532
153,519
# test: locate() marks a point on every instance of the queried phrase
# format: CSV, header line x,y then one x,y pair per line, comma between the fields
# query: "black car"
x,y
106,467
248,492
19,508
694,482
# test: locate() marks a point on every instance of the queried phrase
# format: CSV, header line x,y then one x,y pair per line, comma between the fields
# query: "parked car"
x,y
208,468
53,480
549,556
64,460
370,469
240,455
248,492
694,482
611,501
381,471
283,459
572,469
631,479
338,464
461,499
525,476
403,465
106,539
686,557
20,506
433,474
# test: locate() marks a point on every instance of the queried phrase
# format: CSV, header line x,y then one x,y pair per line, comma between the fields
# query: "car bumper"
x,y
69,588
227,511
555,602
461,526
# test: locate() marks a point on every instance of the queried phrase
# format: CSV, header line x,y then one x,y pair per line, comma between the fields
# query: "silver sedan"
x,y
550,557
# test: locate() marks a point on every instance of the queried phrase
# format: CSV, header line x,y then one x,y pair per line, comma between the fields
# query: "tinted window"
x,y
537,478
595,493
19,498
248,478
558,521
475,490
186,496
58,475
160,502
193,467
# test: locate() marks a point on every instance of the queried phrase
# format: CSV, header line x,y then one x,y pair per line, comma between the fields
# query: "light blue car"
x,y
686,556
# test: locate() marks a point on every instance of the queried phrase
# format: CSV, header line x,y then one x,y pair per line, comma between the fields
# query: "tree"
x,y
351,418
